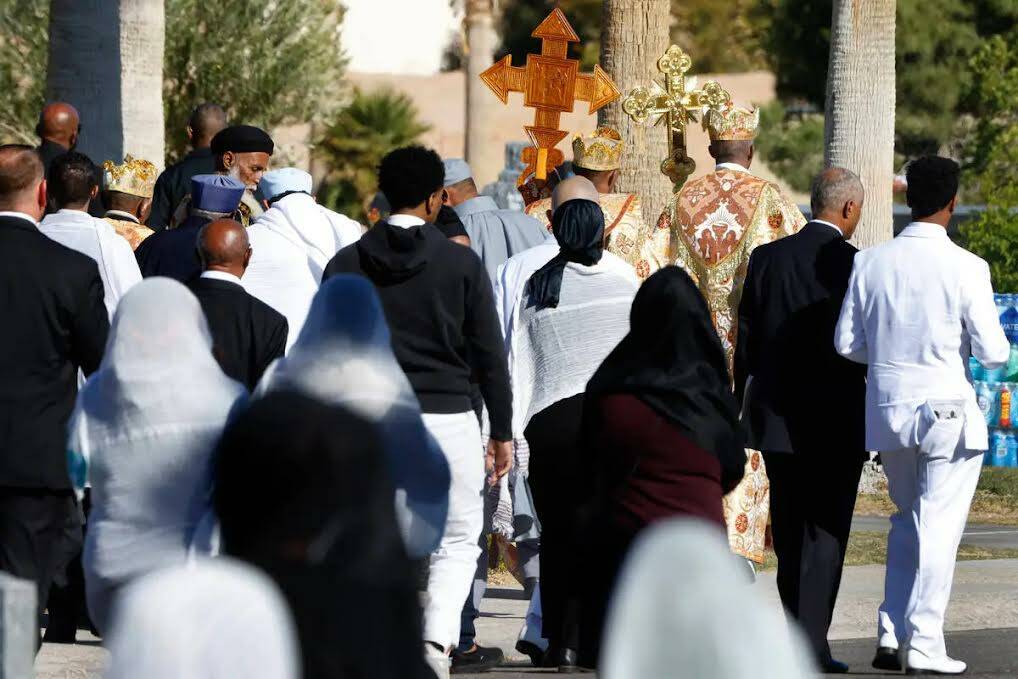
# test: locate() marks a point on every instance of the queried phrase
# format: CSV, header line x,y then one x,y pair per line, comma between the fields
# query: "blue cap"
x,y
216,192
284,180
456,170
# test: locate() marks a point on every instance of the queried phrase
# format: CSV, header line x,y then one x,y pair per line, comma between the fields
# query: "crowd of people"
x,y
355,421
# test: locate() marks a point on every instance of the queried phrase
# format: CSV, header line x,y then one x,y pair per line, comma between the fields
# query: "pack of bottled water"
x,y
997,391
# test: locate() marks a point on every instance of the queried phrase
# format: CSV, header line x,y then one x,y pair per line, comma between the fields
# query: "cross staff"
x,y
676,103
550,83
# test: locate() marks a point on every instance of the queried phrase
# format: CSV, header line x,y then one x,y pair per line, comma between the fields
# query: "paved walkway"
x,y
985,598
991,537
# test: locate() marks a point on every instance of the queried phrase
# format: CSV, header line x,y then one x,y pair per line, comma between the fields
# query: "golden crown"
x,y
731,123
136,177
599,151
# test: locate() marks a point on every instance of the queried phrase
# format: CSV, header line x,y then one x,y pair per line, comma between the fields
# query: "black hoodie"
x,y
438,303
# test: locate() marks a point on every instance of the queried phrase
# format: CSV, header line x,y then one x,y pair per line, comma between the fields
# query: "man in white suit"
x,y
916,309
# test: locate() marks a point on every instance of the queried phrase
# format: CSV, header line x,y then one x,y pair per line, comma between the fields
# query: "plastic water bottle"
x,y
976,369
1011,371
996,456
1010,451
986,396
1004,399
1009,320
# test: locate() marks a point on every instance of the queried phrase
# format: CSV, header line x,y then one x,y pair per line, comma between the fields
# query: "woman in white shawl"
x,y
142,433
684,608
343,356
212,619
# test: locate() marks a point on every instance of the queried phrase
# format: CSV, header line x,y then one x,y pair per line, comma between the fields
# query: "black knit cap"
x,y
242,139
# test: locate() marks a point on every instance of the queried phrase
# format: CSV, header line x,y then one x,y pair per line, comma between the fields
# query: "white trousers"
x,y
933,494
452,565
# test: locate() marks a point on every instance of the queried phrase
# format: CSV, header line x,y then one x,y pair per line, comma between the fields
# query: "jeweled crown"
x,y
731,123
135,176
599,151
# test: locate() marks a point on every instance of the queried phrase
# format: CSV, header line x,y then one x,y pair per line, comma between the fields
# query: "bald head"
x,y
59,123
574,188
223,246
837,197
206,121
22,185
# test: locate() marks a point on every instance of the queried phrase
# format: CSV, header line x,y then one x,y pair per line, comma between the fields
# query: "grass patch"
x,y
995,502
867,548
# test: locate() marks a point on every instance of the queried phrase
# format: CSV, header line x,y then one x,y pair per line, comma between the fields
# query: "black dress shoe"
x,y
477,659
832,666
887,659
532,651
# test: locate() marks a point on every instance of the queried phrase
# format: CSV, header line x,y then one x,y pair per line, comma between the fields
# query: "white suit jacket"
x,y
916,308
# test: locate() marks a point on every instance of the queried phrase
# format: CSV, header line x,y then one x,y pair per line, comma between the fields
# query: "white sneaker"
x,y
919,664
437,660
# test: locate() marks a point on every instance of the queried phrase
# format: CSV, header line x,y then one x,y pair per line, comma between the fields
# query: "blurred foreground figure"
x,y
209,620
917,307
684,610
55,322
327,534
143,433
344,357
661,435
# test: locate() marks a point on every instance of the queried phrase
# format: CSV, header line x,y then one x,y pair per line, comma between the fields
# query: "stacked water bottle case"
x,y
997,392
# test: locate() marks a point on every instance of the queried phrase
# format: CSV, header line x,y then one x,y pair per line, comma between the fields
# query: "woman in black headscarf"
x,y
660,429
326,533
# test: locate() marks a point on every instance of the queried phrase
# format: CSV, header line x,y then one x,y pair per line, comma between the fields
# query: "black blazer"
x,y
802,395
172,252
54,322
247,334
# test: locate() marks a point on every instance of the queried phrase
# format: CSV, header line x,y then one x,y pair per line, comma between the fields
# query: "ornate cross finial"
x,y
676,103
550,83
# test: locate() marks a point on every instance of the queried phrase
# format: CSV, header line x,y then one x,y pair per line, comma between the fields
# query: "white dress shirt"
x,y
916,308
19,215
221,276
96,238
735,167
833,226
405,221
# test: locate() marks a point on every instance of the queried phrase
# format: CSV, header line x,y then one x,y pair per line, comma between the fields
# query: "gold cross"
x,y
675,103
550,83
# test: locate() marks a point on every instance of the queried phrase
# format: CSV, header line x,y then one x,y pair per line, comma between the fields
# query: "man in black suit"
x,y
174,184
803,404
247,334
55,322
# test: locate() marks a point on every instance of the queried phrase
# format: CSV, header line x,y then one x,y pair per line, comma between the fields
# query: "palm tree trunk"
x,y
859,124
106,58
484,156
634,35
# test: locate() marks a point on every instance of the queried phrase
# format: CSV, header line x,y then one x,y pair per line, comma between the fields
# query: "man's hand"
x,y
498,460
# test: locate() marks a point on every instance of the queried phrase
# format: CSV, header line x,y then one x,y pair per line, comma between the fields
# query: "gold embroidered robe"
x,y
133,232
715,222
626,231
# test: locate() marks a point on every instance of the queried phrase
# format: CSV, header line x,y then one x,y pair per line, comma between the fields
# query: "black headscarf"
x,y
672,360
578,226
326,533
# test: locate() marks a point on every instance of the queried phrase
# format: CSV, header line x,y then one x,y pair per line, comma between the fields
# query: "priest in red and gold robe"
x,y
715,222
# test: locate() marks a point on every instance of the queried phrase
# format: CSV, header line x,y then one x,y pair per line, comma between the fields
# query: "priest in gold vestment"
x,y
715,222
598,157
127,195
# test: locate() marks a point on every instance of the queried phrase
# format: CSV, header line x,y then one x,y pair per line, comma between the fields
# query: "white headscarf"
x,y
683,608
344,356
143,431
210,620
158,373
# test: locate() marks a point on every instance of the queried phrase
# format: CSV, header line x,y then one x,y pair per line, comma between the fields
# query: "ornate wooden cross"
x,y
676,103
550,83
